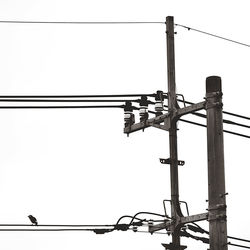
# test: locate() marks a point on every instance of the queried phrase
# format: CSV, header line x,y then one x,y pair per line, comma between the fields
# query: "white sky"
x,y
77,166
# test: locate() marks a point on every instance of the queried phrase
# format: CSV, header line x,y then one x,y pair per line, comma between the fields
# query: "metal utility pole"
x,y
216,214
172,106
216,175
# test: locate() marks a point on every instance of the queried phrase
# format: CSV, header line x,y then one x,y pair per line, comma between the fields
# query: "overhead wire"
x,y
213,35
75,96
98,229
236,238
68,100
229,237
224,120
61,107
109,100
225,131
54,225
237,245
78,22
225,112
148,213
58,98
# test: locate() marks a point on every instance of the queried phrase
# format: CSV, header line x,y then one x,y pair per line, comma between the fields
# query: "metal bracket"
x,y
169,161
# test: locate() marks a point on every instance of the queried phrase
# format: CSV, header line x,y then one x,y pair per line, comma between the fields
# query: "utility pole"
x,y
216,175
216,214
172,107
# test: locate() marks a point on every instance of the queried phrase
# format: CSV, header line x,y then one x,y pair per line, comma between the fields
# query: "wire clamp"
x,y
169,161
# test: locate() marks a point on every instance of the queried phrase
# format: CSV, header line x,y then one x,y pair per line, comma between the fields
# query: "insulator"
x,y
150,223
143,112
159,106
159,103
129,118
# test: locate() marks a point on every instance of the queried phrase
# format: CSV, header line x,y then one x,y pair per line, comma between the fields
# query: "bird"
x,y
33,220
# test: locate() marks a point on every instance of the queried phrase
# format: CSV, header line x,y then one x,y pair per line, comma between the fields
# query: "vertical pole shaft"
x,y
216,175
175,207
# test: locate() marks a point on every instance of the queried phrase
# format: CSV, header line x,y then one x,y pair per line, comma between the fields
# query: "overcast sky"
x,y
77,166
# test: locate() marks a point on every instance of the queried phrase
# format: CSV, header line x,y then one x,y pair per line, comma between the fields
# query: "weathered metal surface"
x,y
216,175
190,109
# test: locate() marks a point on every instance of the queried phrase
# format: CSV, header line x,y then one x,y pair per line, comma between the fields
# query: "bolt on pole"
x,y
216,175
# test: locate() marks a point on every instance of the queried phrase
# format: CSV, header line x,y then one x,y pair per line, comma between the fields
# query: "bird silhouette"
x,y
33,220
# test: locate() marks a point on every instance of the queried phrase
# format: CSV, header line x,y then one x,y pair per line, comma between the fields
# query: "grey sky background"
x,y
77,166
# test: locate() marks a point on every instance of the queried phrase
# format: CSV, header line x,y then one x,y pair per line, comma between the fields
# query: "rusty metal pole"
x,y
172,105
216,175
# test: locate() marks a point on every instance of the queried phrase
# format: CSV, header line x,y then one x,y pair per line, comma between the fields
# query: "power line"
x,y
149,213
240,116
210,34
225,112
54,225
44,230
240,239
147,232
236,245
77,22
67,100
61,107
225,131
106,96
224,120
75,96
230,237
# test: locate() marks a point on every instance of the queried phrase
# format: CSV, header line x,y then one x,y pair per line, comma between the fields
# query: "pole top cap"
x,y
213,84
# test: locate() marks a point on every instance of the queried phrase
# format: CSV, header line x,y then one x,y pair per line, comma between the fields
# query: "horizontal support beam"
x,y
160,226
190,109
179,221
155,122
148,123
194,218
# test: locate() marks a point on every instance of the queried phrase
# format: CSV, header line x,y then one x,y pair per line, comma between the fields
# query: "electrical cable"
x,y
53,225
44,230
75,96
224,120
225,131
60,107
210,34
149,213
225,112
229,237
204,126
240,239
204,231
147,232
78,22
236,115
66,100
109,100
128,216
184,233
236,245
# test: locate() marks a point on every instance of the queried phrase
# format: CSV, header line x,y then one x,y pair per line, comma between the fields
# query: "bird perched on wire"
x,y
33,220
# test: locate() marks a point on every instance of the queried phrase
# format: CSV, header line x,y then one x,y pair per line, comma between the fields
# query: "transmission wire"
x,y
210,34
